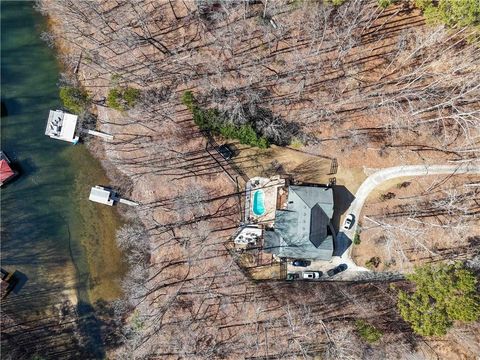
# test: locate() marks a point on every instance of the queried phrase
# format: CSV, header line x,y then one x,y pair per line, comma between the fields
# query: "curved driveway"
x,y
403,171
391,173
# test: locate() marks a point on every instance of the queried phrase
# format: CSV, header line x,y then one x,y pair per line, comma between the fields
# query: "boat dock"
x,y
6,171
108,197
98,134
62,126
127,202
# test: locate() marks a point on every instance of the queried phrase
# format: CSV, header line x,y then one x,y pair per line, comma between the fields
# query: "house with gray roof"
x,y
303,229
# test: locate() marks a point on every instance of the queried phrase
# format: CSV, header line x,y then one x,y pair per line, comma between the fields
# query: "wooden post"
x,y
78,63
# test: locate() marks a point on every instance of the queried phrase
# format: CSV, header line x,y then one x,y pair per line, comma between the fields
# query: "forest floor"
x,y
391,234
318,73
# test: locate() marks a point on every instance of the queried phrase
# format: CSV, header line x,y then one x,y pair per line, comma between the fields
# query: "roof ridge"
x,y
298,194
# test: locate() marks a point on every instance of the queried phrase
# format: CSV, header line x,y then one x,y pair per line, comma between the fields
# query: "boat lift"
x,y
108,197
62,126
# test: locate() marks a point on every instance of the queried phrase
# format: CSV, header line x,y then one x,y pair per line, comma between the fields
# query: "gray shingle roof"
x,y
301,231
275,244
312,195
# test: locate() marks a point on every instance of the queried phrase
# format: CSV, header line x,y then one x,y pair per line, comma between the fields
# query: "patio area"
x,y
262,199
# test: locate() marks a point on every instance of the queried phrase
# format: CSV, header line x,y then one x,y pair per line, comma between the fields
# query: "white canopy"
x,y
100,195
61,126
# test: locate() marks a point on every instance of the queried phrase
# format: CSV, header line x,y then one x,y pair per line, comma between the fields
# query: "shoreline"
x,y
187,280
97,266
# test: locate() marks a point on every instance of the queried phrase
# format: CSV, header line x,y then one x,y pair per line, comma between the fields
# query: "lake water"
x,y
61,244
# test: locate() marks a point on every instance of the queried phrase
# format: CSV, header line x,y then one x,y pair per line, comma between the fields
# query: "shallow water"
x,y
61,244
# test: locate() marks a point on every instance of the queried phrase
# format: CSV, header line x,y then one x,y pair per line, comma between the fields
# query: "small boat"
x,y
6,171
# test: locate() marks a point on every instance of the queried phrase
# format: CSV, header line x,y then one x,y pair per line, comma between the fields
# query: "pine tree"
x,y
443,294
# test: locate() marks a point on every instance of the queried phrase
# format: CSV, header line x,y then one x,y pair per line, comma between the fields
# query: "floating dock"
x,y
108,197
101,195
62,126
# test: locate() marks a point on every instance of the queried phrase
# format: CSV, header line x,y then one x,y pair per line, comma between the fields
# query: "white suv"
x,y
347,224
311,275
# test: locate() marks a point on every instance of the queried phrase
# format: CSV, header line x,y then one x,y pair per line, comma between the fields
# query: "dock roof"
x,y
61,125
6,171
100,195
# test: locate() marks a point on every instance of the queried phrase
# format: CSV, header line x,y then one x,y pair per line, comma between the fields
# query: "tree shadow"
x,y
341,243
20,281
308,170
91,327
4,111
25,167
342,198
10,106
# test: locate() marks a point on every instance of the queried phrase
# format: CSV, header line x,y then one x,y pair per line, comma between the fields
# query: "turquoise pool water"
x,y
259,203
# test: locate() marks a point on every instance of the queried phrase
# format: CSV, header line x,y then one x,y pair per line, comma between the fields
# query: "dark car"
x,y
225,151
336,270
293,276
302,263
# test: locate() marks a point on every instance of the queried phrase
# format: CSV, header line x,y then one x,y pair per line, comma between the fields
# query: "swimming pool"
x,y
259,203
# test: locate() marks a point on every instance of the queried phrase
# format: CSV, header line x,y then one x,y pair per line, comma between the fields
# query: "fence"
x,y
333,167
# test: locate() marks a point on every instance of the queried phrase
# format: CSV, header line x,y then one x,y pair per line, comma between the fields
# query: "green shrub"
x,y
443,294
74,99
113,98
130,96
451,12
37,357
136,322
122,98
115,79
263,143
211,120
373,262
335,2
188,100
386,3
423,4
356,238
296,143
368,332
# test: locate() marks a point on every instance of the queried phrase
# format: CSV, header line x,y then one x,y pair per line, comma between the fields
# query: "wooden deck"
x,y
282,197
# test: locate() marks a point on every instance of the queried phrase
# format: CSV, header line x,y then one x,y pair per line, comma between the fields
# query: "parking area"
x,y
323,266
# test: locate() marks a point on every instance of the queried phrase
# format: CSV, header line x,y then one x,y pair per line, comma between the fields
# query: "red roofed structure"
x,y
6,172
